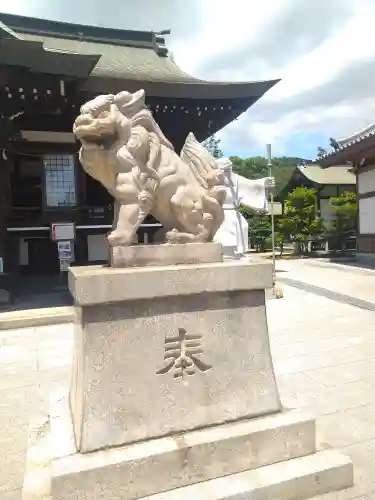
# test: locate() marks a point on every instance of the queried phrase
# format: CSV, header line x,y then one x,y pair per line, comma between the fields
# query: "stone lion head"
x,y
104,127
107,118
96,124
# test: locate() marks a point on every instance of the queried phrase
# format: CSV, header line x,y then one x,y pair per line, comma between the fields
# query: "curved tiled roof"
x,y
349,141
358,136
129,65
120,61
6,32
330,175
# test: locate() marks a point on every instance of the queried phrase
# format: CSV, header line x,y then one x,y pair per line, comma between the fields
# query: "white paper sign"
x,y
63,231
64,249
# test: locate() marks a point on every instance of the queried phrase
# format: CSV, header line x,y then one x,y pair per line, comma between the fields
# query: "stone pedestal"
x,y
173,393
162,350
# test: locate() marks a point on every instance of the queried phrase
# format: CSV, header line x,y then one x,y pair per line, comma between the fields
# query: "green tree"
x,y
252,168
259,227
344,208
256,167
212,144
321,152
299,221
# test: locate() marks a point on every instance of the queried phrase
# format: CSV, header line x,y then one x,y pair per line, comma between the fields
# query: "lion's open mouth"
x,y
98,131
101,140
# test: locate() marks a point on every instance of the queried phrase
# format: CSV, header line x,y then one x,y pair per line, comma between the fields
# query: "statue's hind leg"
x,y
195,226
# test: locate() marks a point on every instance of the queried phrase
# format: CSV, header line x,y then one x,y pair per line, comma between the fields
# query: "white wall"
x,y
24,252
366,181
367,216
97,247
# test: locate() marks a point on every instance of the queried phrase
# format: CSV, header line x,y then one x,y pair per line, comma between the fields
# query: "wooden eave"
x,y
34,57
250,91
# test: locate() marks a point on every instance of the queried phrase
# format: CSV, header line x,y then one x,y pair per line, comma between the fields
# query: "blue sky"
x,y
324,52
300,145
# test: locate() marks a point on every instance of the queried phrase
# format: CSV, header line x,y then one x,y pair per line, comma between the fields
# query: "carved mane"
x,y
201,163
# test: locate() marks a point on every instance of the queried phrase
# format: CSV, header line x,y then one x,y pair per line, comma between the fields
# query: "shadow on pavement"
x,y
38,292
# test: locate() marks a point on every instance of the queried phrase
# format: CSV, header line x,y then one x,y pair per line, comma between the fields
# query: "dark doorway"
x,y
43,257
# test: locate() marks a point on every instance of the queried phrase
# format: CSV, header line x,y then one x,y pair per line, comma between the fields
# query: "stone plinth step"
x,y
30,318
267,458
175,461
297,479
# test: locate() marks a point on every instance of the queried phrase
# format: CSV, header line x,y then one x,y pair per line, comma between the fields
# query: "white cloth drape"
x,y
251,193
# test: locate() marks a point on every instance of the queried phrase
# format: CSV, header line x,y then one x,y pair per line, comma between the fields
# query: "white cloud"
x,y
325,90
354,42
225,25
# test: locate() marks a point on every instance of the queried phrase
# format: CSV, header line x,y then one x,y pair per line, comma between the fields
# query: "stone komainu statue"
x,y
125,150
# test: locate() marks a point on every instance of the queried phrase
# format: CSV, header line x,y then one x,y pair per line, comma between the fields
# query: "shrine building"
x,y
48,69
358,150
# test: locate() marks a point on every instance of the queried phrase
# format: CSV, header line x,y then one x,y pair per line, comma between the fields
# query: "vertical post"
x,y
269,158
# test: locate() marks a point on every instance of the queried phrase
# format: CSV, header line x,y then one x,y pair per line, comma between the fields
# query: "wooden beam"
x,y
40,148
365,168
364,196
53,137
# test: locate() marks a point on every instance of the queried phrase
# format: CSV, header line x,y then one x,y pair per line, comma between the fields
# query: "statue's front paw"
x,y
176,237
120,239
172,236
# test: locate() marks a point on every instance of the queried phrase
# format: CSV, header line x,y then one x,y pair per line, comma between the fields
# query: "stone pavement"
x,y
324,358
345,282
324,355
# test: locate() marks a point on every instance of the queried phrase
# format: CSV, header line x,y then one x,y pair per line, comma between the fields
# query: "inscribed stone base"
x,y
162,350
165,255
269,457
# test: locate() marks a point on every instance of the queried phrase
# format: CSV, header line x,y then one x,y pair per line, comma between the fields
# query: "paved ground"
x,y
349,281
324,354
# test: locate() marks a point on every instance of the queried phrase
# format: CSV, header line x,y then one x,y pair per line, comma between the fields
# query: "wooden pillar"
x,y
81,248
5,204
357,239
80,177
318,207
